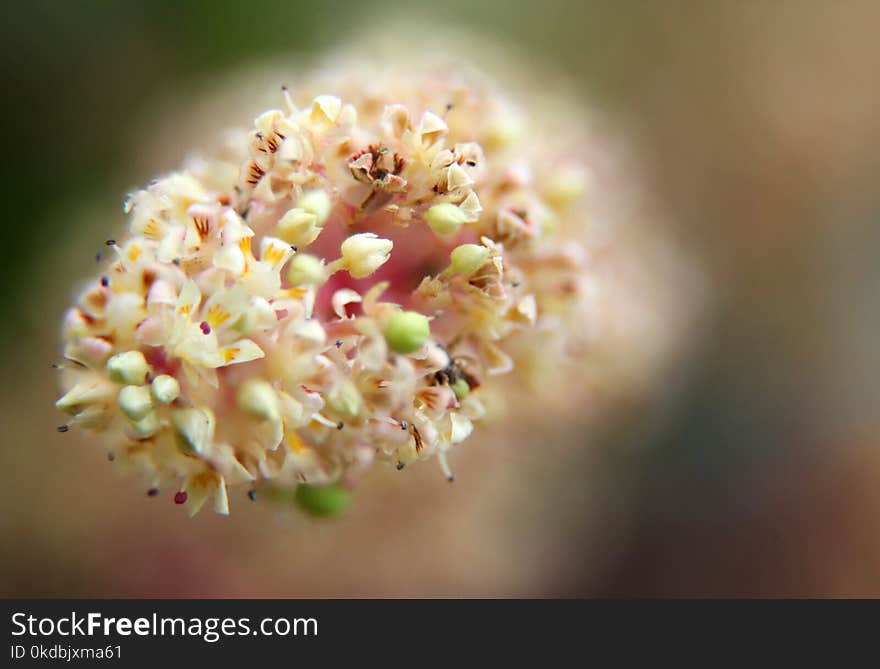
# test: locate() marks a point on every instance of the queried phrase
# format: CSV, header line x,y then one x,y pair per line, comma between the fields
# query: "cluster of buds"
x,y
335,289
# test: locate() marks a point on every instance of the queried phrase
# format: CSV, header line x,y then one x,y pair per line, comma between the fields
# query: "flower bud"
x,y
317,203
345,399
135,401
328,500
306,270
165,389
146,427
407,331
194,429
468,258
445,218
129,367
364,253
259,399
298,227
461,389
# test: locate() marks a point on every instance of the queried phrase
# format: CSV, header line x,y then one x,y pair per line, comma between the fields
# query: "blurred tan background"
x,y
750,466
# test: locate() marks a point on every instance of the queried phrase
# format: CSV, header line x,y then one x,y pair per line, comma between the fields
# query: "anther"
x,y
176,262
111,456
340,425
105,281
63,428
99,256
180,497
206,329
294,248
400,466
152,492
338,343
252,494
110,242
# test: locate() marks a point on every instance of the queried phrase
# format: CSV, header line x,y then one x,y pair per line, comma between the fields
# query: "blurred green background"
x,y
759,123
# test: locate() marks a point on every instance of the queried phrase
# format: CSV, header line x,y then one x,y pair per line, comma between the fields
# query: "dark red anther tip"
x,y
206,329
152,492
180,497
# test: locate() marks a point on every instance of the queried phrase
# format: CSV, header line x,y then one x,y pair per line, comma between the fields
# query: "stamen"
x,y
400,466
105,281
444,465
252,494
180,497
152,492
338,343
318,418
288,99
206,329
63,428
111,456
110,242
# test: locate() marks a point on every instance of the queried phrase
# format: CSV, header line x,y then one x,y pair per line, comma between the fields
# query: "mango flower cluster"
x,y
335,288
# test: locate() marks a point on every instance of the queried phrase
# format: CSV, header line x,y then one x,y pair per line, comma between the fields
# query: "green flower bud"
x,y
461,389
468,258
345,399
130,368
145,427
328,500
135,401
306,270
407,331
445,218
298,227
166,389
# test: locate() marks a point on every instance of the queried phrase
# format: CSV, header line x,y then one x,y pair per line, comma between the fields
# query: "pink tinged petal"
x,y
342,298
150,332
497,361
92,351
161,292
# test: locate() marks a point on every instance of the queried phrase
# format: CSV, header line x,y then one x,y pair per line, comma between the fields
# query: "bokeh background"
x,y
749,465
